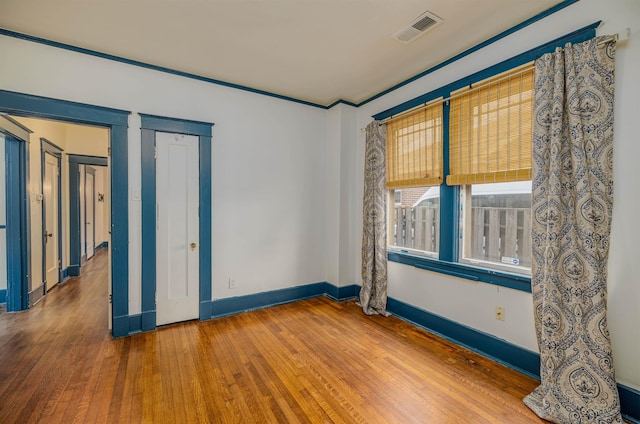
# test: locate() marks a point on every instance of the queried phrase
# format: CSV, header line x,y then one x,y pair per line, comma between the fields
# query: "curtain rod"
x,y
525,68
619,37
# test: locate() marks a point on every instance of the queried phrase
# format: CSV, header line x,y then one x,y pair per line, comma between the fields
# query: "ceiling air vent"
x,y
417,27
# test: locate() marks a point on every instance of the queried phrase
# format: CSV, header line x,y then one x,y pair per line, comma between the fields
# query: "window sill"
x,y
512,281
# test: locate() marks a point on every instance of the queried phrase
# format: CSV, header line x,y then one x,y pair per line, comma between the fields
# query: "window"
x,y
496,226
487,183
414,173
490,157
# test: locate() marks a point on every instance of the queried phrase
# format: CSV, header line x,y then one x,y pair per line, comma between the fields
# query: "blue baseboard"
x,y
234,305
103,244
73,271
148,321
3,296
121,326
499,350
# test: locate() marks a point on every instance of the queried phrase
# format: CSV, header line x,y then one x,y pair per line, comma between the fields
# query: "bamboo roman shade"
x,y
490,131
414,148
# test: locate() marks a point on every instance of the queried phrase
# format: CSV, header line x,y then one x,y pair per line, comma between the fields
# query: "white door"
x,y
89,215
50,189
177,228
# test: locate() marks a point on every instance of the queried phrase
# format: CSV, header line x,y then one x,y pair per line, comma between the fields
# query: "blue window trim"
x,y
150,124
447,263
21,104
578,36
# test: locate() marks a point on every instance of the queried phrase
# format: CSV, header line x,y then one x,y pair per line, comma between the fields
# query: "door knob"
x,y
193,246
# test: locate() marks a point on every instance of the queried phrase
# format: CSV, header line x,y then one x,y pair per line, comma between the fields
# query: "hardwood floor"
x,y
310,361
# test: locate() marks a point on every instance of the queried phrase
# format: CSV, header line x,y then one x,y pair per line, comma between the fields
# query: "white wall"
x,y
472,303
268,183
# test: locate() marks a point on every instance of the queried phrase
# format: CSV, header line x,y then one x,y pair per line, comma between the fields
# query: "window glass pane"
x,y
415,222
496,225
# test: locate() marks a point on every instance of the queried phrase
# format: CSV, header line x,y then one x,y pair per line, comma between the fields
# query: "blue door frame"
x,y
75,251
17,234
48,147
150,125
116,121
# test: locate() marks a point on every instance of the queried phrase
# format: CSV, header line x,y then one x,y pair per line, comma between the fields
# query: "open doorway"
x,y
57,207
115,122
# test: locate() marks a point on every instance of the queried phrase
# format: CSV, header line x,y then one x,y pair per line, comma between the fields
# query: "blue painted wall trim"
x,y
42,107
17,297
344,102
234,305
107,56
577,36
630,403
513,281
499,350
3,296
73,271
149,125
75,257
175,125
148,240
467,52
2,226
103,244
22,104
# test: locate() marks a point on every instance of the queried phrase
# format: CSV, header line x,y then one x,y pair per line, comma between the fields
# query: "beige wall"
x,y
72,139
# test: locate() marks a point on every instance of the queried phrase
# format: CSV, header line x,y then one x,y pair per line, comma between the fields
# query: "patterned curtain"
x,y
373,295
572,205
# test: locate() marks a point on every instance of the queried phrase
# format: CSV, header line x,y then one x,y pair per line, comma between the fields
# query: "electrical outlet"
x,y
232,283
500,313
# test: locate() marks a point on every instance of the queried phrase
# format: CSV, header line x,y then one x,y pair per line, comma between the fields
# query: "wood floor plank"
x,y
312,361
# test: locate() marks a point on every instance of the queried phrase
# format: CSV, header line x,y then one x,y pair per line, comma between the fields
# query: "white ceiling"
x,y
314,50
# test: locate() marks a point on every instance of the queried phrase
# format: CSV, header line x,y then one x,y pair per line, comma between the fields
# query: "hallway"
x,y
56,350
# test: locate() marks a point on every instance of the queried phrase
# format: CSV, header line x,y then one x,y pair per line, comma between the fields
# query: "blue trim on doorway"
x,y
2,226
205,226
47,146
150,124
175,125
17,297
148,241
75,252
3,295
21,104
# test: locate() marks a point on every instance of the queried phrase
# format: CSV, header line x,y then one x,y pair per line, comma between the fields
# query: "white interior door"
x,y
50,189
177,228
90,202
